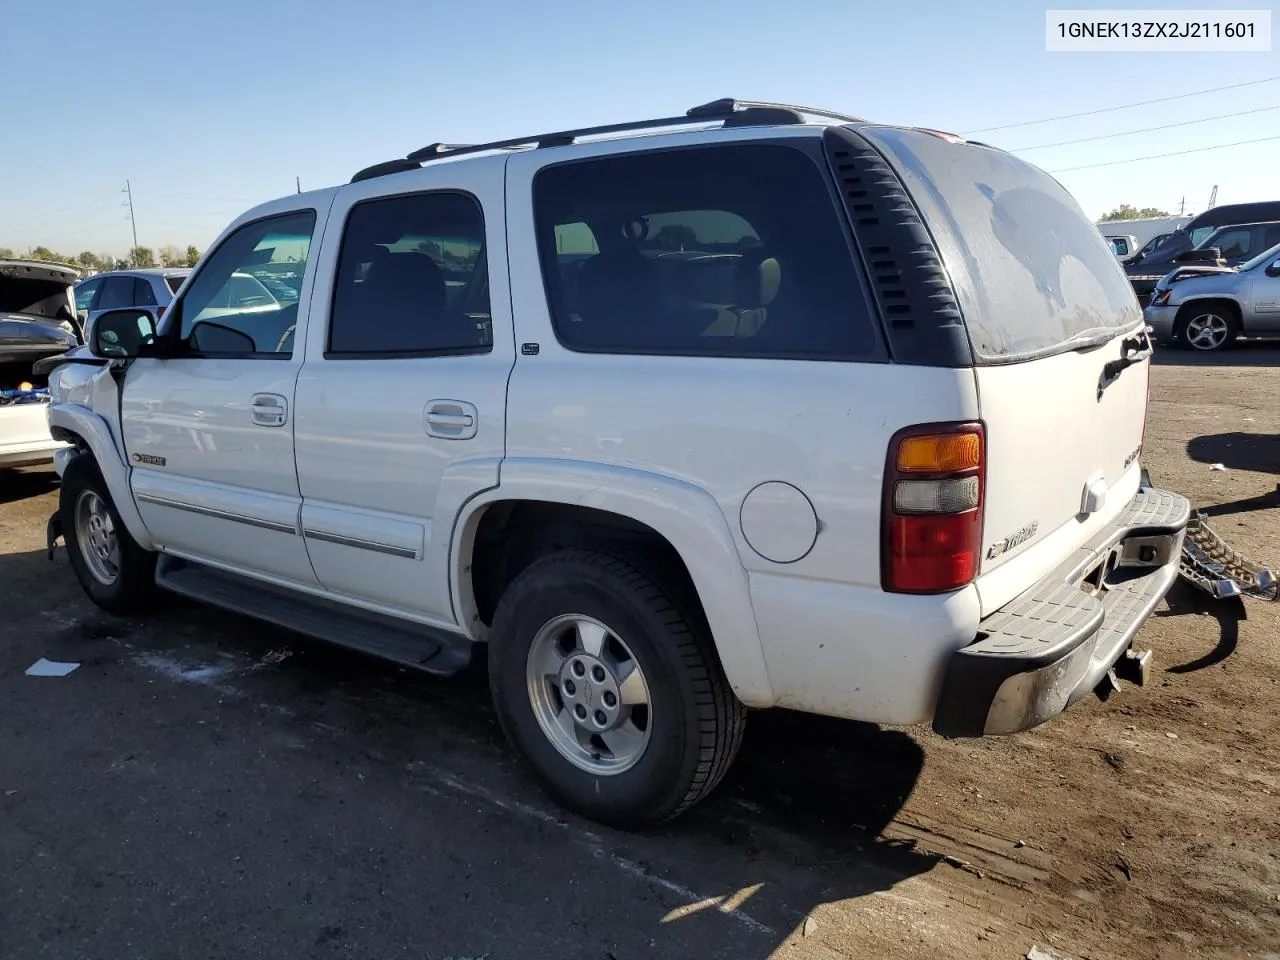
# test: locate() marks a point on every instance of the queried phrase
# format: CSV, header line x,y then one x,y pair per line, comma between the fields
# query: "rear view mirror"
x,y
121,334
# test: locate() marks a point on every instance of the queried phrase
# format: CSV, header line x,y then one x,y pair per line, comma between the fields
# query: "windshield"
x,y
1031,270
1261,258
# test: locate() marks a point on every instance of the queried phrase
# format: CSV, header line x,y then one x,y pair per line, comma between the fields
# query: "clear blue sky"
x,y
210,107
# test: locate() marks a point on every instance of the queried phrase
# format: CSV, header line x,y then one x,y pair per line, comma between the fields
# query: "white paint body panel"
x,y
24,435
368,469
1049,437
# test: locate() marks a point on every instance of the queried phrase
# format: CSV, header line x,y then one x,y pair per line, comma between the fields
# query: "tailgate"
x,y
23,423
1062,462
1046,307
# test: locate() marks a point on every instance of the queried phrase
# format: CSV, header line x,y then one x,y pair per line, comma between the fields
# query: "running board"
x,y
409,644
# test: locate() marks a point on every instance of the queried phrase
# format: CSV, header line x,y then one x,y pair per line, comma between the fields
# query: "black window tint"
x,y
143,295
722,251
226,310
1270,237
116,292
412,278
174,283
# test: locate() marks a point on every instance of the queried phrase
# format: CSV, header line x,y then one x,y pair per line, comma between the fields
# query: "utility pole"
x,y
1182,207
128,191
1213,197
298,180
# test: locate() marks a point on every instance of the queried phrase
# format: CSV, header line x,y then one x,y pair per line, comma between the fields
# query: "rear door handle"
x,y
451,419
269,409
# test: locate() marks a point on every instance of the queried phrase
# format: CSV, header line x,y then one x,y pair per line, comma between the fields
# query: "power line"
x,y
1164,126
1126,106
1157,156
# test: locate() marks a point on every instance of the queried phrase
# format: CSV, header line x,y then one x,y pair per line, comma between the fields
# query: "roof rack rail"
x,y
727,104
727,110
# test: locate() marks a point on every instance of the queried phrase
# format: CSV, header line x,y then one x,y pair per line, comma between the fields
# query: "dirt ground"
x,y
205,786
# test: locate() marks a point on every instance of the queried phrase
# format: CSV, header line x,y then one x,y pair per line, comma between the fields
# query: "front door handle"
x,y
269,409
451,419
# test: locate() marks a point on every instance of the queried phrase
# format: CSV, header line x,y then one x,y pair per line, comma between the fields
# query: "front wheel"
x,y
116,573
611,693
1207,328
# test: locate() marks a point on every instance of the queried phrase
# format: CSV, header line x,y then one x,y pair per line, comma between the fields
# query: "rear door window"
x,y
116,292
708,251
1233,243
412,279
1029,267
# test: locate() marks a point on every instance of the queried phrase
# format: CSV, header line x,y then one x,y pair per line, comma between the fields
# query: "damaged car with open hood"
x,y
38,320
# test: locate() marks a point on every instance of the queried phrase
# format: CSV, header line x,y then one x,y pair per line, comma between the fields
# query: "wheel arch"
x,y
623,505
92,438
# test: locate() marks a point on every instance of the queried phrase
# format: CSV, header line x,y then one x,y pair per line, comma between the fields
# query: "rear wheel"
x,y
613,695
116,573
1206,328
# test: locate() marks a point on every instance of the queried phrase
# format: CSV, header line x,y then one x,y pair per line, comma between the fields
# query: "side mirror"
x,y
121,334
1274,269
1199,256
211,338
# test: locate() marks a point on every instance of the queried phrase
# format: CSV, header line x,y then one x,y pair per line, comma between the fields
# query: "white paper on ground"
x,y
50,668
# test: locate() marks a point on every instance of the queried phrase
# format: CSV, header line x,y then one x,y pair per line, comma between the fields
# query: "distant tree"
x,y
171,256
89,260
6,253
430,248
192,257
43,253
1127,212
142,257
675,236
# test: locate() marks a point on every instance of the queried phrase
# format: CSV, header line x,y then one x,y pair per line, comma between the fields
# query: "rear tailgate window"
x,y
1030,269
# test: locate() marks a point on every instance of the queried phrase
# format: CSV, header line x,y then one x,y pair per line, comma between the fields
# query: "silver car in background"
x,y
1206,307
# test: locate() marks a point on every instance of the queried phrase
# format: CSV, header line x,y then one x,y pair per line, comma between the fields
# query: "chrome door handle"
x,y
451,419
269,409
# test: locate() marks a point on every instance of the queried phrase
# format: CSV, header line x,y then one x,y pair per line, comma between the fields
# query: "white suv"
x,y
678,418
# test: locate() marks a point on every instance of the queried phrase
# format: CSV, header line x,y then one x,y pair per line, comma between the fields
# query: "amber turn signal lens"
x,y
946,453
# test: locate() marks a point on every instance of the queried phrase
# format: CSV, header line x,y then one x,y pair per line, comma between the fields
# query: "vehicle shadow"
x,y
798,822
1259,452
23,484
1246,353
1185,599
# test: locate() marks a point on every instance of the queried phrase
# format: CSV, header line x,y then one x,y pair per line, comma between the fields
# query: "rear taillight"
x,y
934,481
159,312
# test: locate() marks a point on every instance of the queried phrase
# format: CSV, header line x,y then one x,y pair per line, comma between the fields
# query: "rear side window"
x,y
1270,237
412,279
174,283
1029,268
732,250
143,295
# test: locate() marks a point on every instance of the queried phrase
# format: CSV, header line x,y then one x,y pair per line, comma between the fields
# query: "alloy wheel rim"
x,y
1207,331
96,536
589,694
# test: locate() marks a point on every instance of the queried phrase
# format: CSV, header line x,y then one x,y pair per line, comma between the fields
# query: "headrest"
x,y
620,282
756,280
412,276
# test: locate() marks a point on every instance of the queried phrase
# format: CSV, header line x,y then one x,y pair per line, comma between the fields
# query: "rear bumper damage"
x,y
1056,642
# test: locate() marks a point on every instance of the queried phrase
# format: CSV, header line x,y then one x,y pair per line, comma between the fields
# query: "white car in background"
x,y
37,320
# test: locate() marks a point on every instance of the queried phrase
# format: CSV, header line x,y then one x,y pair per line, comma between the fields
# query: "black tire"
x,y
1226,313
697,722
134,584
